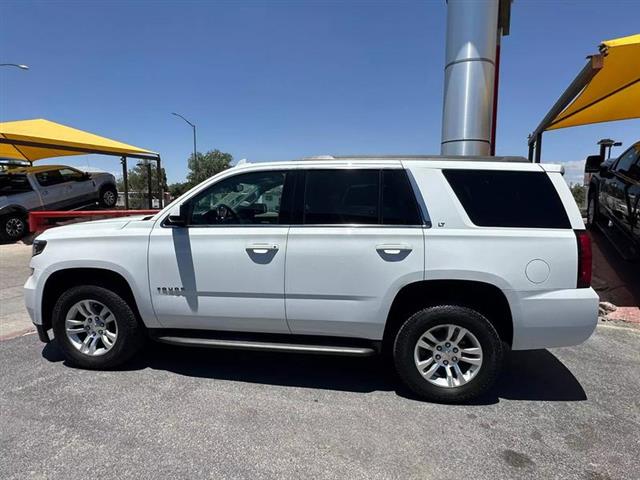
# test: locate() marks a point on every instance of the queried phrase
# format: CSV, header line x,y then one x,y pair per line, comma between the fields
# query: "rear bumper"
x,y
557,318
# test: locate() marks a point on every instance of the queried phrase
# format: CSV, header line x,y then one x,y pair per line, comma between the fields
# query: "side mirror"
x,y
593,163
605,171
180,220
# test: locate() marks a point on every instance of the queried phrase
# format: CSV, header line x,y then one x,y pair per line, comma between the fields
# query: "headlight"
x,y
38,247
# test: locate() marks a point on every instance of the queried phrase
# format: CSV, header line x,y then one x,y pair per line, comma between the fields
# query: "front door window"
x,y
247,199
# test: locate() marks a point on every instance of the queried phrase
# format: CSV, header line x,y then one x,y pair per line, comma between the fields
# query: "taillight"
x,y
585,258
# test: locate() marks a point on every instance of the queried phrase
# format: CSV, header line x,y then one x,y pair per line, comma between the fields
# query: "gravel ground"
x,y
572,413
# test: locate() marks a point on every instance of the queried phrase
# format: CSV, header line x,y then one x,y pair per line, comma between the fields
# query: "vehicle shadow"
x,y
528,375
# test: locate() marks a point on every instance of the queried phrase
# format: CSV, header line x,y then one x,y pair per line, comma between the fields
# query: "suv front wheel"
x,y
96,328
448,354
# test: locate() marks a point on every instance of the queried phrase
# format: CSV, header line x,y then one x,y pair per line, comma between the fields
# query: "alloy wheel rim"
x,y
109,198
14,227
448,356
91,327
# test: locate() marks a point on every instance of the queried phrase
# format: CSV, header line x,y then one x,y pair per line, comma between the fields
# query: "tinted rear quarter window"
x,y
494,198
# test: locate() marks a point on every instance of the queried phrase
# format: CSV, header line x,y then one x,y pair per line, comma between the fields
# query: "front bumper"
x,y
557,318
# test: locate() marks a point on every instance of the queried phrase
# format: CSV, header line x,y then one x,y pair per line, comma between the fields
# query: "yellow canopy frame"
x,y
37,139
607,89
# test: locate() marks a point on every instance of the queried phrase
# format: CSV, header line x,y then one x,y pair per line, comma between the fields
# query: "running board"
x,y
268,346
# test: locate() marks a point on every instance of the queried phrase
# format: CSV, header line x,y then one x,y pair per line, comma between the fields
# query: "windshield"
x,y
14,183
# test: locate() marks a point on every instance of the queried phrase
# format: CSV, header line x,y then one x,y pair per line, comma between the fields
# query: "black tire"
x,y
108,196
593,212
13,227
130,333
421,322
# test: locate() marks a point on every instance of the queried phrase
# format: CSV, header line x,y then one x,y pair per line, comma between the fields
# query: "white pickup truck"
x,y
443,263
48,187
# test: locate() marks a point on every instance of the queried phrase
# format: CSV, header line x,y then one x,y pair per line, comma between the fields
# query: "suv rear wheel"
x,y
96,328
448,354
108,197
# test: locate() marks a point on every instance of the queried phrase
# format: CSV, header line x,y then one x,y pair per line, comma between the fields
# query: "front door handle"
x,y
394,249
262,248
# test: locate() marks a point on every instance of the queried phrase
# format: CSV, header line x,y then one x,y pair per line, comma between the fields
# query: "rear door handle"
x,y
394,249
262,248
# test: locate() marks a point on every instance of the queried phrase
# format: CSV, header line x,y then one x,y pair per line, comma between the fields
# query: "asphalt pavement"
x,y
570,413
14,271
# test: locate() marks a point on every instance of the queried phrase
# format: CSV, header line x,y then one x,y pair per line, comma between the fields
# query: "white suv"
x,y
441,262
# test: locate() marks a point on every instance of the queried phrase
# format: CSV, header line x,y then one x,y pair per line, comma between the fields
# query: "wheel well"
x,y
11,209
109,186
483,297
62,280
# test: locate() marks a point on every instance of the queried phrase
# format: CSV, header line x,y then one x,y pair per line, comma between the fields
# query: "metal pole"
x,y
469,77
538,147
195,152
125,179
149,187
531,146
160,189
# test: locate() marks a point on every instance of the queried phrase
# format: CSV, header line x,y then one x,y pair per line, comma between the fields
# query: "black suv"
x,y
614,195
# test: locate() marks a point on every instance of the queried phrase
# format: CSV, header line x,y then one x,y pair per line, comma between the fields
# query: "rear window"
x,y
494,198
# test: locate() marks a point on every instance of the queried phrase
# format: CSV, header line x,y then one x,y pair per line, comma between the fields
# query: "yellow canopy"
x,y
613,93
37,139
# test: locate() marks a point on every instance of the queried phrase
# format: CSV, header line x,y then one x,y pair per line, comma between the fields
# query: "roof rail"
x,y
469,158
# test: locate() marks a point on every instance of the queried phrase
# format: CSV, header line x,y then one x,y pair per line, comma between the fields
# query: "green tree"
x,y
207,165
579,192
137,178
178,188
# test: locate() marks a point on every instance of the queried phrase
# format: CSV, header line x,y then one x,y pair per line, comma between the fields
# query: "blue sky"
x,y
270,80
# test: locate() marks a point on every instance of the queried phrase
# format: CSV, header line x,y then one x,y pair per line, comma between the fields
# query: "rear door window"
x,y
341,197
494,198
399,206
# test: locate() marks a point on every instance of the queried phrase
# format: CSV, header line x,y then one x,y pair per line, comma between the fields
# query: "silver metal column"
x,y
472,32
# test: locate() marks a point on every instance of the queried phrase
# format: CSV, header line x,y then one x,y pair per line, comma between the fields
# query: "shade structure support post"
x,y
125,179
160,190
531,147
538,147
149,185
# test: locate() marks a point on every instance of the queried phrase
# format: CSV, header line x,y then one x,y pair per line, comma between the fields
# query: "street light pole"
x,y
20,66
195,150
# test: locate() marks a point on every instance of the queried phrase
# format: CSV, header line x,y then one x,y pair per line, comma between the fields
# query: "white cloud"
x,y
573,171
